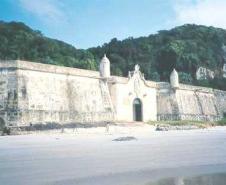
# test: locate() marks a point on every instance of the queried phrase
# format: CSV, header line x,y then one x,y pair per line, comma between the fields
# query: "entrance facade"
x,y
137,110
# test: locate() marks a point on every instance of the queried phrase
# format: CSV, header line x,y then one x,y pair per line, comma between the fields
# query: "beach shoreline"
x,y
97,158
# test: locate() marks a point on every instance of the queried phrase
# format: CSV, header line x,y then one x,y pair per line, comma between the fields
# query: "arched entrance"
x,y
137,110
2,124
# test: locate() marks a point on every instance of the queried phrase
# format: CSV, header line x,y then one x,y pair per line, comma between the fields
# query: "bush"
x,y
185,78
6,131
47,126
222,122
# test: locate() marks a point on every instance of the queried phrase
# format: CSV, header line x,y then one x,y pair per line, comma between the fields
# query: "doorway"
x,y
137,110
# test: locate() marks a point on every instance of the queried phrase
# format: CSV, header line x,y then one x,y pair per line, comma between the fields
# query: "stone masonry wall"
x,y
61,98
8,96
39,93
32,93
188,103
221,101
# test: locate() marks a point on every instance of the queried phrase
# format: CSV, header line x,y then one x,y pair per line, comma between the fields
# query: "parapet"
x,y
25,65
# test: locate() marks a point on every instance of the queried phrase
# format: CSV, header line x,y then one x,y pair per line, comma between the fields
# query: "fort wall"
x,y
8,95
190,103
47,93
32,93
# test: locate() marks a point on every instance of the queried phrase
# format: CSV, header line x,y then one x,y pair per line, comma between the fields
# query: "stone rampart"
x,y
33,93
190,103
38,93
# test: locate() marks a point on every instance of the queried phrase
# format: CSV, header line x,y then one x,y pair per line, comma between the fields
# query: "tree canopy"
x,y
18,41
185,48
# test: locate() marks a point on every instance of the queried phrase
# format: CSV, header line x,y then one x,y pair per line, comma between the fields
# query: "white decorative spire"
x,y
136,68
105,67
174,79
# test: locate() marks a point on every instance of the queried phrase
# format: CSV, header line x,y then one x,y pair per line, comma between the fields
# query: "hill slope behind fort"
x,y
185,48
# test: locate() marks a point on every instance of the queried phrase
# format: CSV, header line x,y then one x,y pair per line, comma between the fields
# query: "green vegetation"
x,y
6,131
18,41
199,124
222,122
185,48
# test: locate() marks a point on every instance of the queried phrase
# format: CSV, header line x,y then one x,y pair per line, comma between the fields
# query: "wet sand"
x,y
98,158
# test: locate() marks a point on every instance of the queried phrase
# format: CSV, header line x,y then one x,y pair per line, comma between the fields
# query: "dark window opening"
x,y
24,93
15,95
137,110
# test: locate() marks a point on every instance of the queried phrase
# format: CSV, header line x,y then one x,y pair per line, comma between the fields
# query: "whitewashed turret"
x,y
105,67
174,79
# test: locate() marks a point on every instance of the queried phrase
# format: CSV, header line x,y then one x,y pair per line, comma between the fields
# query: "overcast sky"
x,y
88,23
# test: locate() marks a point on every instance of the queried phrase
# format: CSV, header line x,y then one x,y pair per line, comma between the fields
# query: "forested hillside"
x,y
18,41
185,48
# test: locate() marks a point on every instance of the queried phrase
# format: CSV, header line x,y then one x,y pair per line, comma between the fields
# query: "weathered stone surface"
x,y
191,103
224,71
203,73
124,92
37,93
32,93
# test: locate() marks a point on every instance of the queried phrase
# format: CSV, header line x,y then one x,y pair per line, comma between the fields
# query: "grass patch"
x,y
5,131
199,124
222,122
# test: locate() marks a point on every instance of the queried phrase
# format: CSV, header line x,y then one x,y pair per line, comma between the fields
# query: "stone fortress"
x,y
34,93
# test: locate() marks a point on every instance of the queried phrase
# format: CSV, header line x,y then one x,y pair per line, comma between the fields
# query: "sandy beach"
x,y
94,157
